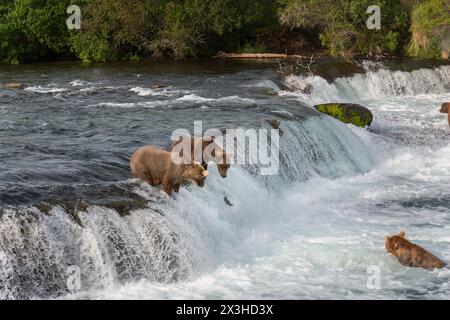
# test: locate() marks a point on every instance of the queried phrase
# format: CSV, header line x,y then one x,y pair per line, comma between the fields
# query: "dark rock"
x,y
275,124
71,207
331,69
44,207
124,207
347,113
227,201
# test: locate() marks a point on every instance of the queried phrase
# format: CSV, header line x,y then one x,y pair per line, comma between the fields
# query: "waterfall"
x,y
195,233
287,235
374,85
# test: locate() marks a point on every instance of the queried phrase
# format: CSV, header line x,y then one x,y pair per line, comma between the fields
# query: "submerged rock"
x,y
347,113
331,69
227,201
124,207
72,208
275,124
19,86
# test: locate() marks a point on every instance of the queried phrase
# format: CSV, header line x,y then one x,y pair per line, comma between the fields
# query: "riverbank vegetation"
x,y
111,30
430,28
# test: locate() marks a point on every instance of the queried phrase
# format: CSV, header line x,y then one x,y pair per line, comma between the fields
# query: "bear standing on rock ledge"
x,y
155,166
444,109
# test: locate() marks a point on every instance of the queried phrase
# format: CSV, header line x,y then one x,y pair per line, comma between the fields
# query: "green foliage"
x,y
190,25
342,24
90,48
113,29
430,28
253,48
304,14
32,29
128,29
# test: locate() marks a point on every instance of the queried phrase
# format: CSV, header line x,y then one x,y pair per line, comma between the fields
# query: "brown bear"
x,y
155,166
410,254
444,109
210,151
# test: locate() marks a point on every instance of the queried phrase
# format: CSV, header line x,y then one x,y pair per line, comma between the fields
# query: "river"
x,y
315,230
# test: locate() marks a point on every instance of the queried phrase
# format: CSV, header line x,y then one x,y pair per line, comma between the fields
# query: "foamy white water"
x,y
45,89
311,232
316,239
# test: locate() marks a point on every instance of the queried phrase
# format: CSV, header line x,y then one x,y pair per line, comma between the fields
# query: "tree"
x,y
430,28
32,29
342,24
112,29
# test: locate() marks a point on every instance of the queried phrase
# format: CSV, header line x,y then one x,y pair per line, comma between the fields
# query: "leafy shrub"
x,y
342,24
430,28
128,29
32,29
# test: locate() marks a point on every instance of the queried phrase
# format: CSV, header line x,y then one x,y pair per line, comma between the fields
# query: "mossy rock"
x,y
347,113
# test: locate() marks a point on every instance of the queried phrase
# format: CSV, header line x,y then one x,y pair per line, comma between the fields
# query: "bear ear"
x,y
386,238
402,234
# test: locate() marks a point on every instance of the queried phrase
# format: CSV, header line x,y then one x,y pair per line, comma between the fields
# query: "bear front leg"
x,y
167,187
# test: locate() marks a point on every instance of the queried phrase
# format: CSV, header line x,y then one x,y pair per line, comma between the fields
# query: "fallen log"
x,y
223,55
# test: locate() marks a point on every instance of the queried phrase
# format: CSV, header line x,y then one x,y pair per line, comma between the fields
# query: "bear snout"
x,y
201,183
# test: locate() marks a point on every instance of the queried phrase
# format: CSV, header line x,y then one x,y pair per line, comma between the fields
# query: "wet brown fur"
x,y
219,156
155,166
410,254
445,109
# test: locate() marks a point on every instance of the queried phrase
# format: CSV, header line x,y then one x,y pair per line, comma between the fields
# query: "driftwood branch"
x,y
307,65
287,70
